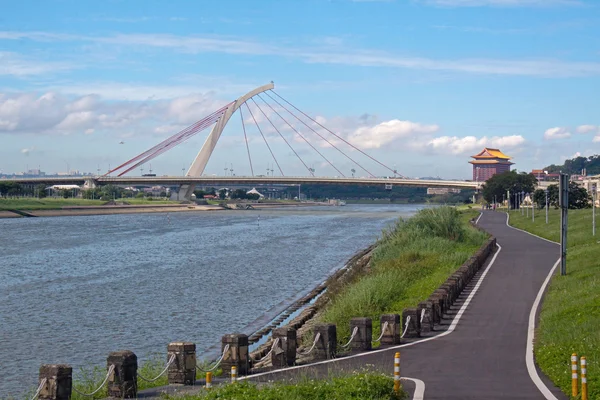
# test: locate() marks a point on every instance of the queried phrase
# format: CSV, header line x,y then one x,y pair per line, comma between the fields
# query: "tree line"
x,y
498,186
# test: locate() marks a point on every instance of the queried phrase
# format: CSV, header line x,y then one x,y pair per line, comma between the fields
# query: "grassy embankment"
x,y
49,203
570,317
356,386
410,261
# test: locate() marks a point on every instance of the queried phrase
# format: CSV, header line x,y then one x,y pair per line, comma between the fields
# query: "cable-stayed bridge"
x,y
262,105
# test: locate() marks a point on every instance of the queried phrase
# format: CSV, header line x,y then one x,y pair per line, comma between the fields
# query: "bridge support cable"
x,y
265,139
337,136
173,143
183,134
318,134
302,136
284,139
246,139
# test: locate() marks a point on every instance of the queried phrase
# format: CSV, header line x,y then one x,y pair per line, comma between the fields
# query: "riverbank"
x,y
569,320
78,207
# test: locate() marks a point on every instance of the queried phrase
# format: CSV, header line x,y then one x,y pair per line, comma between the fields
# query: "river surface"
x,y
73,289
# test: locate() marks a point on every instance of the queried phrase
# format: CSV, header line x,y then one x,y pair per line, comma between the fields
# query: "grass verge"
x,y
31,204
570,316
362,385
411,260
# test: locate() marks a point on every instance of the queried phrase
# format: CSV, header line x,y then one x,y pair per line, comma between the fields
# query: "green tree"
x,y
199,193
222,194
239,194
578,197
511,181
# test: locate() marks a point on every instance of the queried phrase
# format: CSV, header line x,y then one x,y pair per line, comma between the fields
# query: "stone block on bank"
x,y
284,354
393,331
183,368
59,382
412,328
364,335
326,347
122,383
236,355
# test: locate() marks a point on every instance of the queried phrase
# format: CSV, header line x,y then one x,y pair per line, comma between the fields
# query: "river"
x,y
72,289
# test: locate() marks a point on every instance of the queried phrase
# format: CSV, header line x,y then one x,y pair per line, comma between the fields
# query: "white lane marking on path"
x,y
529,356
419,388
477,221
447,332
529,233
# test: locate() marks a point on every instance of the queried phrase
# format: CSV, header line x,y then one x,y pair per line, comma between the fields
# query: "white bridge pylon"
x,y
201,160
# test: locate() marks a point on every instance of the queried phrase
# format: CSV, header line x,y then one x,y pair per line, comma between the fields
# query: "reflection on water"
x,y
72,289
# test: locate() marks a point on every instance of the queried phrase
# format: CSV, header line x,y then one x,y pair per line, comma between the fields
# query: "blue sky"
x,y
419,84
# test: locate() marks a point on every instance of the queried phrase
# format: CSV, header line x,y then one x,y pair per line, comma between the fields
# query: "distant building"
x,y
542,175
488,163
442,190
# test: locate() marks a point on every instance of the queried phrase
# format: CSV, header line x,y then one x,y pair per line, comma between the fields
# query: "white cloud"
x,y
596,139
53,113
587,129
386,132
557,133
26,151
328,54
17,65
463,145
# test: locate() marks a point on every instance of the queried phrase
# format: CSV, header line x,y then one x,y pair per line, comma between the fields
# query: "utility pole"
x,y
564,217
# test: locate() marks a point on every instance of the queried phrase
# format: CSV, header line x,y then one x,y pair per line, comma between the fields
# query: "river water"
x,y
72,289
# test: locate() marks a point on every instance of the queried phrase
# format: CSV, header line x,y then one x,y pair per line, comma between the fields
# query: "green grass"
x,y
359,385
570,316
411,260
31,204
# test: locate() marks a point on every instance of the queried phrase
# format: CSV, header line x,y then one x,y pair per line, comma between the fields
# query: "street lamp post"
x,y
594,209
521,202
546,191
526,209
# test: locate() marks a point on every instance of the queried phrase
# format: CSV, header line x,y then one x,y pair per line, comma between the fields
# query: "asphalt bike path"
x,y
484,356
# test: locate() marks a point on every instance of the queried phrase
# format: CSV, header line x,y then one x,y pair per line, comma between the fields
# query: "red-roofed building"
x,y
488,163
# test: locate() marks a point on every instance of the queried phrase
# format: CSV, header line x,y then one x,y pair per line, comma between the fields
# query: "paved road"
x,y
484,357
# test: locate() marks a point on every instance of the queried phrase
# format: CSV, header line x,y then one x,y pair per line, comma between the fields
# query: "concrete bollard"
x,y
182,370
425,309
364,335
445,299
393,330
237,355
413,329
437,305
58,382
326,347
122,383
284,355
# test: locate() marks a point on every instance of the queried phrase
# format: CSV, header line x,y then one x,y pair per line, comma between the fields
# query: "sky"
x,y
419,85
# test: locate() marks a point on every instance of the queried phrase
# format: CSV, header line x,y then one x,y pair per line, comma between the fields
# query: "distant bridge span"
x,y
91,181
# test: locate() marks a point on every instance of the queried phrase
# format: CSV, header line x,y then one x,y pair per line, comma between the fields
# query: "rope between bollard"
x,y
313,345
39,389
383,329
171,360
110,371
225,350
275,343
422,315
406,327
354,332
